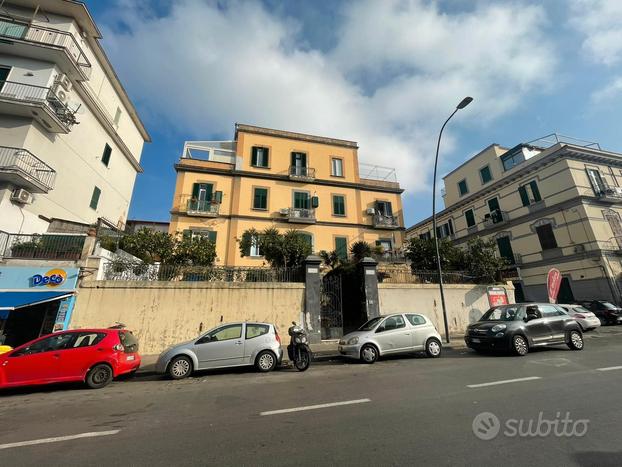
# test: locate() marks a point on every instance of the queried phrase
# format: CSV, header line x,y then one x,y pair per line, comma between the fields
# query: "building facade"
x,y
70,138
272,178
555,202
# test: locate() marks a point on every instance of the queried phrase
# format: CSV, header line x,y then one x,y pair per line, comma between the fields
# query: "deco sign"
x,y
52,278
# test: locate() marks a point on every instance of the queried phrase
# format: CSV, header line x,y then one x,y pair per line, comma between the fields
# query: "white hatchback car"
x,y
586,319
392,334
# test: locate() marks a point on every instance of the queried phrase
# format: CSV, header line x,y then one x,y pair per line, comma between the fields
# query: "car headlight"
x,y
353,340
498,328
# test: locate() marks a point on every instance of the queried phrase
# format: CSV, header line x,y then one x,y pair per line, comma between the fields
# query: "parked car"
x,y
586,319
94,356
228,345
392,334
607,312
519,327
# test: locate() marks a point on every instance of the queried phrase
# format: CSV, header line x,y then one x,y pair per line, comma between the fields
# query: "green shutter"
x,y
260,198
195,190
522,191
341,247
218,197
535,191
106,155
505,249
186,234
301,200
315,202
254,155
211,236
339,206
470,218
95,198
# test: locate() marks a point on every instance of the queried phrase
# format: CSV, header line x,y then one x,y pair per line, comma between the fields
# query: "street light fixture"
x,y
463,103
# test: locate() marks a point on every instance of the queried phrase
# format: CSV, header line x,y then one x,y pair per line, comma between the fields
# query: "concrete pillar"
x,y
370,279
312,298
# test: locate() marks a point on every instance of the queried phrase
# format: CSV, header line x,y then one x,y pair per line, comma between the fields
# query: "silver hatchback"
x,y
228,345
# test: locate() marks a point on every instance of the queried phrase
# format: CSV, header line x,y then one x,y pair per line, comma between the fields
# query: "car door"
x,y
81,354
221,347
537,329
256,339
394,335
36,363
420,330
557,321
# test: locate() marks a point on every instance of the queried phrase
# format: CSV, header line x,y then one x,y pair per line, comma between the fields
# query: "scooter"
x,y
298,349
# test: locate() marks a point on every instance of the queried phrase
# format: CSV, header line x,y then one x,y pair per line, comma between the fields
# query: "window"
x,y
87,339
495,211
546,236
224,333
49,344
341,247
299,164
336,167
106,155
339,205
598,184
384,208
550,311
95,198
202,194
529,193
301,200
209,234
445,230
485,174
255,248
512,159
117,117
386,244
415,320
425,236
4,71
260,157
463,189
392,323
12,29
505,249
308,238
256,330
260,198
469,215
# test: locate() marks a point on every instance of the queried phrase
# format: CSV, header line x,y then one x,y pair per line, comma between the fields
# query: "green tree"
x,y
287,249
149,245
360,250
198,251
331,259
422,255
482,261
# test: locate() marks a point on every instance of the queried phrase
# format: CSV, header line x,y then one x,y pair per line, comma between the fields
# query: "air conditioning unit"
x,y
21,196
579,248
62,95
371,211
284,211
65,82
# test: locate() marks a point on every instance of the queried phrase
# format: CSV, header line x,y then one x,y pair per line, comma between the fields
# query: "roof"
x,y
15,300
244,128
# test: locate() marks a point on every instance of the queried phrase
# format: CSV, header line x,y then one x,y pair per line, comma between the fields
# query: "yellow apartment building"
x,y
553,202
273,178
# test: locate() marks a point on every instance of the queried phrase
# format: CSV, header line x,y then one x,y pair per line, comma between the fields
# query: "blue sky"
x,y
385,74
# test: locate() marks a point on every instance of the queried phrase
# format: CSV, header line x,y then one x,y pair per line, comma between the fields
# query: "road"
x,y
400,411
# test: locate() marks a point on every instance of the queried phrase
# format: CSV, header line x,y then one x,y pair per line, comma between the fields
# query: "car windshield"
x,y
579,309
608,305
371,324
505,313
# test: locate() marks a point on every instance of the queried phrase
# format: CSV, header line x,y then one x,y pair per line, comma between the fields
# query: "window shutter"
x,y
315,202
211,236
522,191
95,198
186,234
254,156
106,155
451,227
341,247
218,197
535,191
195,190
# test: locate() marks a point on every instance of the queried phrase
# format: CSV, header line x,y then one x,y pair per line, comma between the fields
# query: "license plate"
x,y
476,341
130,358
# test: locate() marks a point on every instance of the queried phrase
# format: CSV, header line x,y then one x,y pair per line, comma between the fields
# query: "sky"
x,y
383,73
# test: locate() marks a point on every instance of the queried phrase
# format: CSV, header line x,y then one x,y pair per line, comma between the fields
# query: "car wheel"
x,y
265,361
369,353
575,340
99,376
180,367
520,345
433,347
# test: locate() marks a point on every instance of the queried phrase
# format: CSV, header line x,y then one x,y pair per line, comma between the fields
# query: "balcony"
x,y
22,168
203,208
495,218
41,103
42,43
61,247
383,221
610,194
299,215
301,173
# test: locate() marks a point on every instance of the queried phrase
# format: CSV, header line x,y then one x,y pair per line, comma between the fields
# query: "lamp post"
x,y
463,103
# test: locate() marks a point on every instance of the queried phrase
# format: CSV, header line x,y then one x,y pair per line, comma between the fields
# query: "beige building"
x,y
554,202
70,138
273,178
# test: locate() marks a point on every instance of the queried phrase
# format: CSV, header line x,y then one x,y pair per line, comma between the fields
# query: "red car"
x,y
94,356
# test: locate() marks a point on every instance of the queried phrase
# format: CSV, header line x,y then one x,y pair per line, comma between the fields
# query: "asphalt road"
x,y
405,411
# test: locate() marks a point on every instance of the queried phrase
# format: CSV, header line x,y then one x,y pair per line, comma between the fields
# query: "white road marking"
x,y
609,368
505,381
58,439
314,407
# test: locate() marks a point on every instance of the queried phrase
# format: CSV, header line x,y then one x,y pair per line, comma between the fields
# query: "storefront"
x,y
35,301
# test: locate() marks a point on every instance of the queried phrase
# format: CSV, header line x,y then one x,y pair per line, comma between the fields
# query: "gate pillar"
x,y
312,321
370,279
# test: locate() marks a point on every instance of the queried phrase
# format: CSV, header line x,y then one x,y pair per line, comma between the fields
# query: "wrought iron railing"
x,y
390,256
26,165
383,220
38,95
424,277
122,270
610,192
202,207
300,213
302,172
41,246
43,35
495,217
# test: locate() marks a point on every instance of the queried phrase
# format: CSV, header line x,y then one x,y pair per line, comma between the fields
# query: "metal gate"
x,y
331,312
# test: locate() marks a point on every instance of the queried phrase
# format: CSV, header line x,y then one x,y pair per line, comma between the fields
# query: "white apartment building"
x,y
70,138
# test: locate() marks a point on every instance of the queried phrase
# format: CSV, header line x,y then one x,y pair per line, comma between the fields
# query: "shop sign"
x,y
553,282
52,278
497,296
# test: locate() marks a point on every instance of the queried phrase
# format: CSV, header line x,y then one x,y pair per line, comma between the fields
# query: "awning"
x,y
15,300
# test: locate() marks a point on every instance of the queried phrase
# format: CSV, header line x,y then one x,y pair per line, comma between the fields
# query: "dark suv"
x,y
519,327
606,311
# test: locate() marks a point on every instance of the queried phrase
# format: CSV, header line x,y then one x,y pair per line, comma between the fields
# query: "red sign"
x,y
553,281
497,296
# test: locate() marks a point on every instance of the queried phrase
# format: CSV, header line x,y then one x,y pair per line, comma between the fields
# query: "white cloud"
x,y
204,66
600,21
613,90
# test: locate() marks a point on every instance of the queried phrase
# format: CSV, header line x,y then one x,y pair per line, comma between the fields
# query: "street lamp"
x,y
463,103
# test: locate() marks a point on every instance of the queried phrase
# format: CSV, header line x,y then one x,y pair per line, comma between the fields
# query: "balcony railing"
x,y
40,95
12,30
384,221
305,173
495,217
41,246
17,162
302,215
612,194
206,208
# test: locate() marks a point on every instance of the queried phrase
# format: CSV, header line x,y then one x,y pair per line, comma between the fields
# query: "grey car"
x,y
228,345
392,334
